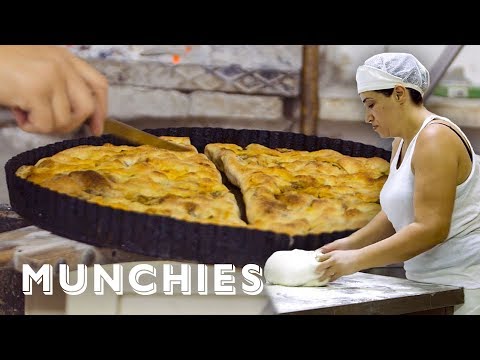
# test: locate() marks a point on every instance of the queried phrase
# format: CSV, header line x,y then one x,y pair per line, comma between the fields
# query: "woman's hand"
x,y
50,90
337,263
340,244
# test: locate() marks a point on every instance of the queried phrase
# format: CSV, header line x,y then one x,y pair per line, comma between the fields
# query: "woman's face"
x,y
379,112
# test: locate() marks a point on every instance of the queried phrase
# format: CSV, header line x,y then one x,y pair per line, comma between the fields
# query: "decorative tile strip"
x,y
189,77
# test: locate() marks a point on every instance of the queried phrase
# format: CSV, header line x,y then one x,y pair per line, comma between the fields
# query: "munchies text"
x,y
223,278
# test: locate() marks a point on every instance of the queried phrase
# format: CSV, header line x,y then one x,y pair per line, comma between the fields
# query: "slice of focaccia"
x,y
301,192
183,185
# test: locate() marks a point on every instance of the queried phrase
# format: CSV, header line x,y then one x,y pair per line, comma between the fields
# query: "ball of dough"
x,y
293,268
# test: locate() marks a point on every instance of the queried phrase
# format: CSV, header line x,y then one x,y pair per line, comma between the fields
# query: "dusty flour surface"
x,y
351,289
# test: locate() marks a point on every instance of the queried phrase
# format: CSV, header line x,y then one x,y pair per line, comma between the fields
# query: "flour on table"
x,y
293,268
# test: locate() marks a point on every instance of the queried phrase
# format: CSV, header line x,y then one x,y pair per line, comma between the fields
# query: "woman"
x,y
430,217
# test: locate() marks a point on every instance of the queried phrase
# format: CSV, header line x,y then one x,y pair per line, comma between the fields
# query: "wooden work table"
x,y
360,293
366,294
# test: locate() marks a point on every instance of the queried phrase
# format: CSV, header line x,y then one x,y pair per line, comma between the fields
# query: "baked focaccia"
x,y
301,192
183,185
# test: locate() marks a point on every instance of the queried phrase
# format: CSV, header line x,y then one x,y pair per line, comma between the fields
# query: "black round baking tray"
x,y
164,237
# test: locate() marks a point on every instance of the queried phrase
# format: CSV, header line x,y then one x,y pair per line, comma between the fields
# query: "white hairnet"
x,y
384,71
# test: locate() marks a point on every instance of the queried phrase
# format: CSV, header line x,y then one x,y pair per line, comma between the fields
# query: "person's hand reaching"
x,y
50,90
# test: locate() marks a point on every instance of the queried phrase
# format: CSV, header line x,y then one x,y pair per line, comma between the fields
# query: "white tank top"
x,y
456,261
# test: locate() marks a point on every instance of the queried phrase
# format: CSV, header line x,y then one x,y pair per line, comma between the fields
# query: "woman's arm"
x,y
435,164
377,229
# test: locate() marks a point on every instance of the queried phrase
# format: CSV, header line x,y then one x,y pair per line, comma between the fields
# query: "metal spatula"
x,y
139,137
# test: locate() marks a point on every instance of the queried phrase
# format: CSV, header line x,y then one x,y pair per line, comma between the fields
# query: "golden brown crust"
x,y
184,185
284,190
301,192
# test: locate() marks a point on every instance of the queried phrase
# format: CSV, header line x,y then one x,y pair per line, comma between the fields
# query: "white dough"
x,y
293,268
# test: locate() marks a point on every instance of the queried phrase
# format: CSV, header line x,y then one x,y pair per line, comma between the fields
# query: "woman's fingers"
x,y
325,267
320,257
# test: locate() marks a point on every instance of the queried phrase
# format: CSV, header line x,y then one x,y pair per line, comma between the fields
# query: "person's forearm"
x,y
377,229
404,245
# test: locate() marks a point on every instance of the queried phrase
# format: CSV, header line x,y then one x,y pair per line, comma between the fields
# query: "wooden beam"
x,y
440,67
309,90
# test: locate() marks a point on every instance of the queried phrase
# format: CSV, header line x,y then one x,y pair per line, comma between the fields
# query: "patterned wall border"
x,y
189,77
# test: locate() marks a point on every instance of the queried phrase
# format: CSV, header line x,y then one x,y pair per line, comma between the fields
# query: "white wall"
x,y
348,57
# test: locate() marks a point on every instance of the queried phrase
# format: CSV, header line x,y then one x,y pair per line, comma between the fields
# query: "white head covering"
x,y
384,71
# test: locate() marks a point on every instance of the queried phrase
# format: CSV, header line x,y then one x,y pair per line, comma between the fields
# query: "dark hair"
x,y
414,94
